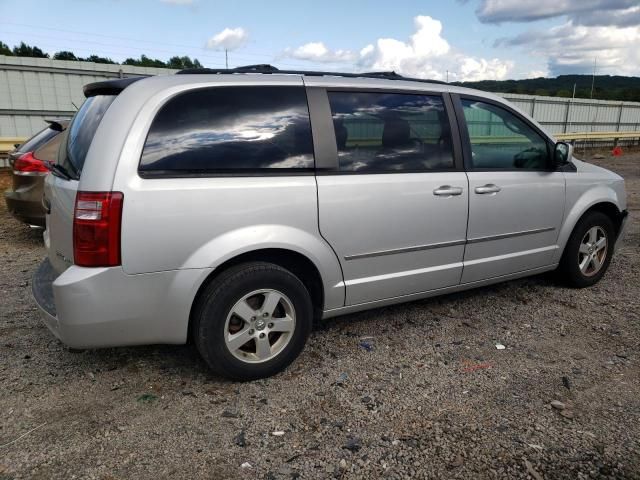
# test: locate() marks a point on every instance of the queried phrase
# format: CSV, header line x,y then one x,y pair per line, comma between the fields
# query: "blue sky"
x,y
472,39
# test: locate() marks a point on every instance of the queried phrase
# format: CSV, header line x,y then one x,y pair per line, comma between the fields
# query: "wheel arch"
x,y
606,204
297,263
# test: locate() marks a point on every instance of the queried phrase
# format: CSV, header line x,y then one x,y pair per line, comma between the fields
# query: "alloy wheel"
x,y
593,251
259,326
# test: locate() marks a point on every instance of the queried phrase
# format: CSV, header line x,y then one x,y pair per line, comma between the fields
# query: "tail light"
x,y
27,164
96,229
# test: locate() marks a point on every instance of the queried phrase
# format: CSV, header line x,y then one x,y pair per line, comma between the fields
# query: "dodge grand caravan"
x,y
231,208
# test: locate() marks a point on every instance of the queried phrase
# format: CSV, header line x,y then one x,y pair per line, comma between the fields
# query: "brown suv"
x,y
27,161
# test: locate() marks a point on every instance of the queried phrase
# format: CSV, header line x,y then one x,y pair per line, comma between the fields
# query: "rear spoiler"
x,y
59,124
109,87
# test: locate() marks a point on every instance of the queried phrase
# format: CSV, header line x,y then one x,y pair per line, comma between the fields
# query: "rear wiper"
x,y
58,170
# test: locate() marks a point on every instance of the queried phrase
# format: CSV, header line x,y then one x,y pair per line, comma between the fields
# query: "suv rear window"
x,y
230,130
81,131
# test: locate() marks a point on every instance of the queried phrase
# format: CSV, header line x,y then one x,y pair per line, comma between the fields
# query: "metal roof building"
x,y
32,89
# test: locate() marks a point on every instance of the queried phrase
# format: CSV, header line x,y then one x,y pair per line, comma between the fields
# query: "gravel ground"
x,y
414,390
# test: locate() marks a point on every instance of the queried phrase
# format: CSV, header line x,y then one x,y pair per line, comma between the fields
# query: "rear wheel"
x,y
589,250
252,321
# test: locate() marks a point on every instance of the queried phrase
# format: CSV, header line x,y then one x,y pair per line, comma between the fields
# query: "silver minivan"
x,y
232,208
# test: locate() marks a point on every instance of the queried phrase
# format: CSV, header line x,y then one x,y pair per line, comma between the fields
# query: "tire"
x,y
570,265
241,309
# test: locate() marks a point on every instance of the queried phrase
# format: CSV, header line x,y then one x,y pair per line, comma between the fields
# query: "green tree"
x,y
24,50
177,62
542,92
183,62
145,61
5,50
563,93
64,55
97,59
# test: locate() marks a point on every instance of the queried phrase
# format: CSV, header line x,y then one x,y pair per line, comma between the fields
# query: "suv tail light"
x,y
96,229
27,164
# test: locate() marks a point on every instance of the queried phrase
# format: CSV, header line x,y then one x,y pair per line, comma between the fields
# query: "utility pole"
x,y
593,78
226,58
573,97
447,76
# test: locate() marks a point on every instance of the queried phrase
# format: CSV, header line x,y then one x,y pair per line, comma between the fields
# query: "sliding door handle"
x,y
488,188
447,191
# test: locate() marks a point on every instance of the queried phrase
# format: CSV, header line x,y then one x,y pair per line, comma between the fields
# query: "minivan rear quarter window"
x,y
230,130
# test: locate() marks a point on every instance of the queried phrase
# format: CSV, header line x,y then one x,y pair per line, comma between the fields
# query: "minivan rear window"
x,y
230,130
81,131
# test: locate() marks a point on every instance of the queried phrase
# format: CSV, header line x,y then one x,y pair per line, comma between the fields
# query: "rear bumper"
x,y
105,307
24,207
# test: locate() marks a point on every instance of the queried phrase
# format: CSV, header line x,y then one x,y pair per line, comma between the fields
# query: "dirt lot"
x,y
414,390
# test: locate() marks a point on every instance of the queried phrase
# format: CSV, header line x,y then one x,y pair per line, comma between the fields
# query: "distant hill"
x,y
607,87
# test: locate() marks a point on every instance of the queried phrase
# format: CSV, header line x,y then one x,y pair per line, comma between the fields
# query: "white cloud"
x,y
474,69
588,11
413,57
536,73
572,48
318,52
178,2
426,54
228,39
605,30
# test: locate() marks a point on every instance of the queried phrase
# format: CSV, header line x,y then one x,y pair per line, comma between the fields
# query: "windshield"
x,y
81,131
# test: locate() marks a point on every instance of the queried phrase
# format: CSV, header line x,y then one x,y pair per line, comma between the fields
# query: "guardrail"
x,y
596,135
8,143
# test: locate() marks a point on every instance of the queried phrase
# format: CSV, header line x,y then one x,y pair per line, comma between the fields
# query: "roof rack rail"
x,y
268,69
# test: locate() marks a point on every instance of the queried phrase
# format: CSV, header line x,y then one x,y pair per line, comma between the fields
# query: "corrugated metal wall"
x,y
35,88
32,89
565,115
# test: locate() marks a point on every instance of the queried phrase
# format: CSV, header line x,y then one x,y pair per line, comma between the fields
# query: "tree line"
x,y
605,87
25,50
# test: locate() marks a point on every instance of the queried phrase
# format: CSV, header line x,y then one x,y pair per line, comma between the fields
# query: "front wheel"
x,y
252,321
589,250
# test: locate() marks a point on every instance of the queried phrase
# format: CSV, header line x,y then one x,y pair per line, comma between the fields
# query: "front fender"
x,y
578,202
257,237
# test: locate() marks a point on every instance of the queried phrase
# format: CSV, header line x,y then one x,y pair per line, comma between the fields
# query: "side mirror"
x,y
562,154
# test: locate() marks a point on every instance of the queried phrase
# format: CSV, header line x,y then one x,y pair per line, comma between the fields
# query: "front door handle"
x,y
447,191
488,188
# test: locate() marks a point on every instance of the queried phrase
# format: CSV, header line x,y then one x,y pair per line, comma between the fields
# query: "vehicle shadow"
x,y
547,279
184,362
18,234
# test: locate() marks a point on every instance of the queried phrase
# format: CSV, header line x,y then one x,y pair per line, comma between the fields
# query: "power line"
x,y
127,39
117,49
110,45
